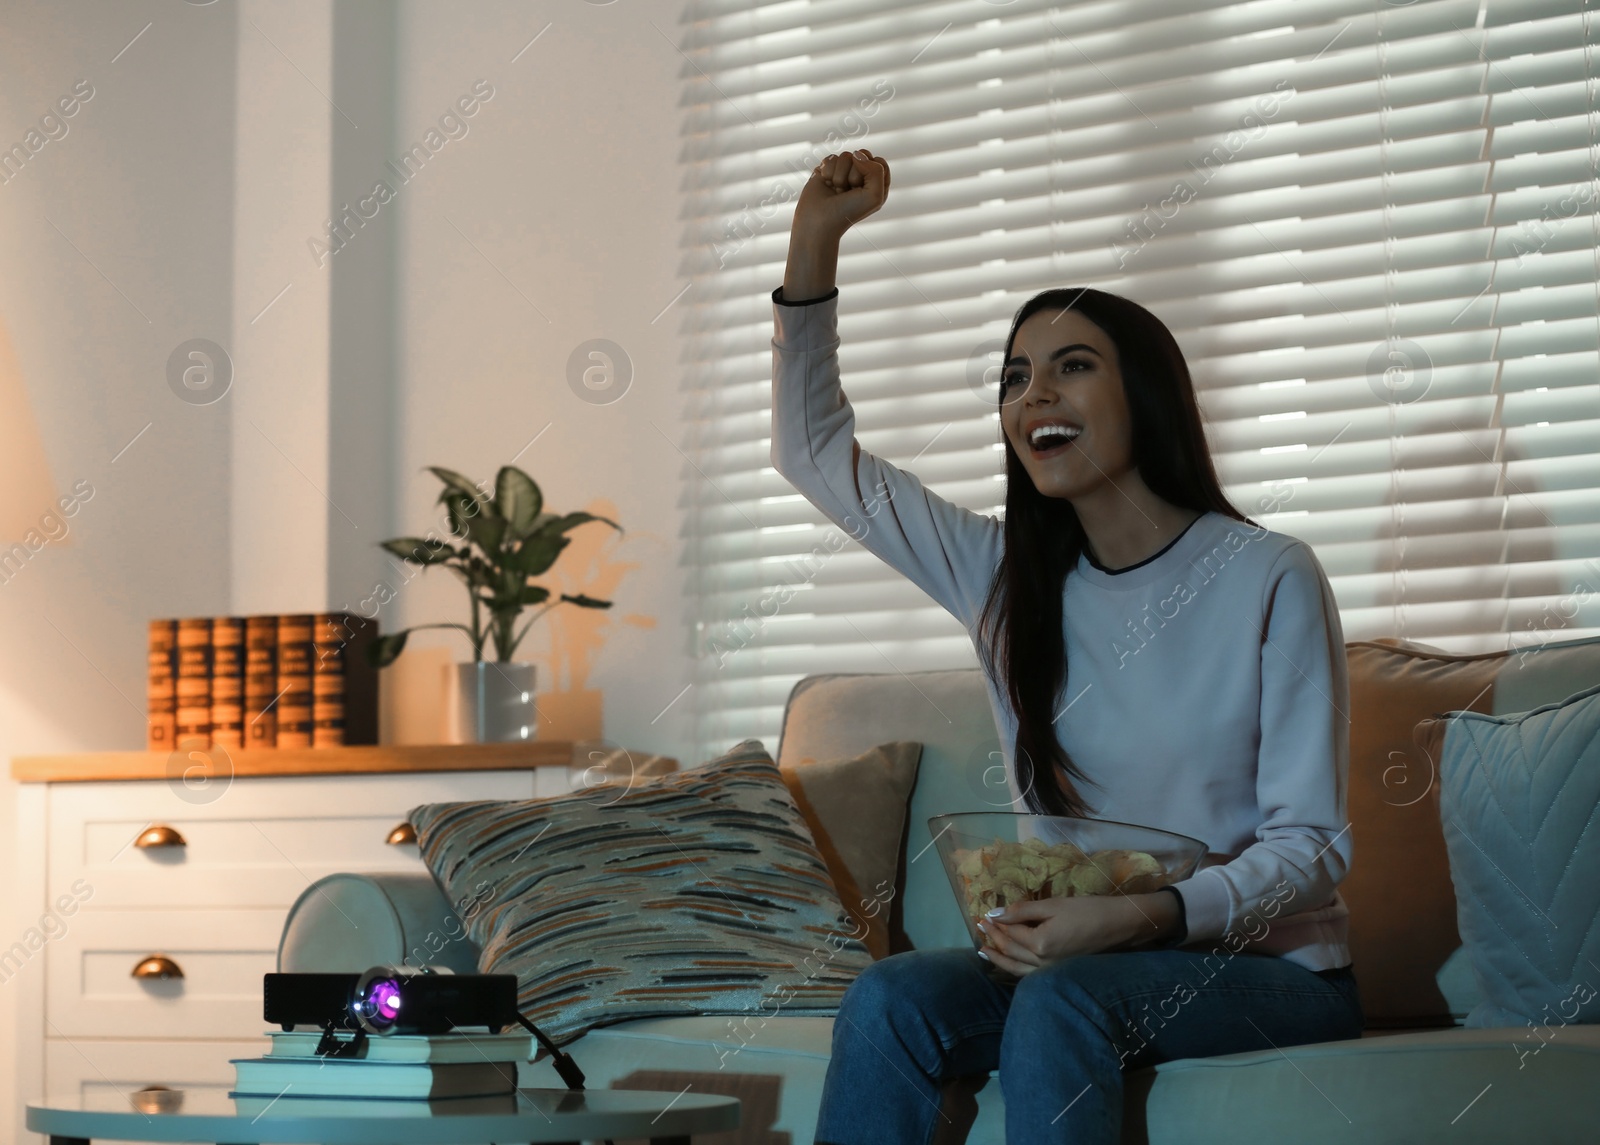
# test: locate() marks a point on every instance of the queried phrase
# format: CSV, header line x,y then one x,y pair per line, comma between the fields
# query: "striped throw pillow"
x,y
699,892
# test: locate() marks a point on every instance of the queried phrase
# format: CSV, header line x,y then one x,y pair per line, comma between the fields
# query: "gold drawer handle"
x,y
157,966
160,836
157,1099
404,833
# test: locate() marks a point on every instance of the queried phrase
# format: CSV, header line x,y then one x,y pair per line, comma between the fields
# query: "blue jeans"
x,y
1060,1036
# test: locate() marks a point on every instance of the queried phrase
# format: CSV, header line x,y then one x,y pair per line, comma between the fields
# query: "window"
x,y
1372,229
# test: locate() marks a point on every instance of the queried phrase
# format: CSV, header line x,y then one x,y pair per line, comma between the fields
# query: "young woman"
x,y
1153,656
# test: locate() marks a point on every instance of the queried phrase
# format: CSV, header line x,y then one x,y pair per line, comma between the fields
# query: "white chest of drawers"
x,y
141,954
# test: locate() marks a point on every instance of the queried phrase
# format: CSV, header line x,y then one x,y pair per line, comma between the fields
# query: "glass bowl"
x,y
997,858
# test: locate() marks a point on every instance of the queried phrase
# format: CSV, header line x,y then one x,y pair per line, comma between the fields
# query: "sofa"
x,y
1416,1074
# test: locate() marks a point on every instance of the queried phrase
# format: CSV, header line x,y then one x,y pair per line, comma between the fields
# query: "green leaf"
x,y
561,524
586,601
537,553
453,504
533,594
456,483
386,649
419,550
518,501
541,547
477,522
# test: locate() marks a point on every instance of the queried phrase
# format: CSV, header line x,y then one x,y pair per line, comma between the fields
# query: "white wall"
x,y
279,400
553,221
115,246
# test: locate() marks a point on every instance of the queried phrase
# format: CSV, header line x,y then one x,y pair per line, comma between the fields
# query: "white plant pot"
x,y
493,701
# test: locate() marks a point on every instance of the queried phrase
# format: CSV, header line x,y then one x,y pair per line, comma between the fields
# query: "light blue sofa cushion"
x,y
710,1052
1397,1089
1456,1086
1459,984
1518,798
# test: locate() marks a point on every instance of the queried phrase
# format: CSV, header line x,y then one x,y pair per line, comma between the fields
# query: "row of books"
x,y
389,1066
287,681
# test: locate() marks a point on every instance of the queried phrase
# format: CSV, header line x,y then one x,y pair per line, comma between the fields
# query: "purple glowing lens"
x,y
383,1001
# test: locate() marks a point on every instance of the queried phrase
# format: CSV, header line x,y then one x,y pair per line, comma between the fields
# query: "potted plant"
x,y
503,541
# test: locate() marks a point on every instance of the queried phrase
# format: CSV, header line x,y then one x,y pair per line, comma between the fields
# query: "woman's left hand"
x,y
1029,935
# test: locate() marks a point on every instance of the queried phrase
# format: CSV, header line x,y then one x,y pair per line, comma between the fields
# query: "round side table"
x,y
532,1115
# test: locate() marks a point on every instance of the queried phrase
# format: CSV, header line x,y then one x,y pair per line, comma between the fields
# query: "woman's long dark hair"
x,y
1022,616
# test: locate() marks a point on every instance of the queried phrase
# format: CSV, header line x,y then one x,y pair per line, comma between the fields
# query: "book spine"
x,y
261,681
362,1078
227,681
193,690
161,691
295,654
421,1049
344,684
328,683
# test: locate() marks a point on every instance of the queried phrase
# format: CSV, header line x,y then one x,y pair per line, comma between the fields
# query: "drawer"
x,y
90,991
84,1066
258,844
122,1069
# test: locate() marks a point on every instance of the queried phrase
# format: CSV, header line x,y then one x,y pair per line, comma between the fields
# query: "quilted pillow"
x,y
1518,797
701,892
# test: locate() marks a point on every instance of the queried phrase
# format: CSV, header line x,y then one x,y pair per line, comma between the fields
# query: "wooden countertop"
x,y
82,767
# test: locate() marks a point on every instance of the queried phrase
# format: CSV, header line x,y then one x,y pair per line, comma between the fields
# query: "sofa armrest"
x,y
349,923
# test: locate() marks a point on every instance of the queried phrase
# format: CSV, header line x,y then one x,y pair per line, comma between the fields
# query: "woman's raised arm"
x,y
947,551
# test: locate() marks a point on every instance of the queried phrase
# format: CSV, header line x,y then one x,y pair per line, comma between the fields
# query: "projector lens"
x,y
377,1001
384,1001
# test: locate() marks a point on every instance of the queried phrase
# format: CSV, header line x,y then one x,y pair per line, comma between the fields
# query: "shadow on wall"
x,y
30,494
568,708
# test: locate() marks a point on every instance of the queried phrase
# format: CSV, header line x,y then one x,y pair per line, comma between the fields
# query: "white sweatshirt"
x,y
1207,685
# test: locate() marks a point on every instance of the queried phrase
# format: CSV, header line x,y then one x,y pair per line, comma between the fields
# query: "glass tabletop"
x,y
527,1115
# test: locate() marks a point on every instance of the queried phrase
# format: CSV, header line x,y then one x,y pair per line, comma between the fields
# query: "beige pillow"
x,y
856,809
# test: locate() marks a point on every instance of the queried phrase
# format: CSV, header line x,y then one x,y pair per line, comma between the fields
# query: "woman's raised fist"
x,y
844,189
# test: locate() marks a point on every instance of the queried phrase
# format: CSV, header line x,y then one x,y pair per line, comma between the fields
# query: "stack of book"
x,y
295,681
389,1066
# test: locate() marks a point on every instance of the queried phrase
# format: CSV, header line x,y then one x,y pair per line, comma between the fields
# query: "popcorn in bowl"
x,y
999,858
1003,872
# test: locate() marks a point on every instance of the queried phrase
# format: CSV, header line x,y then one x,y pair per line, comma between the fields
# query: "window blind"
x,y
1372,229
